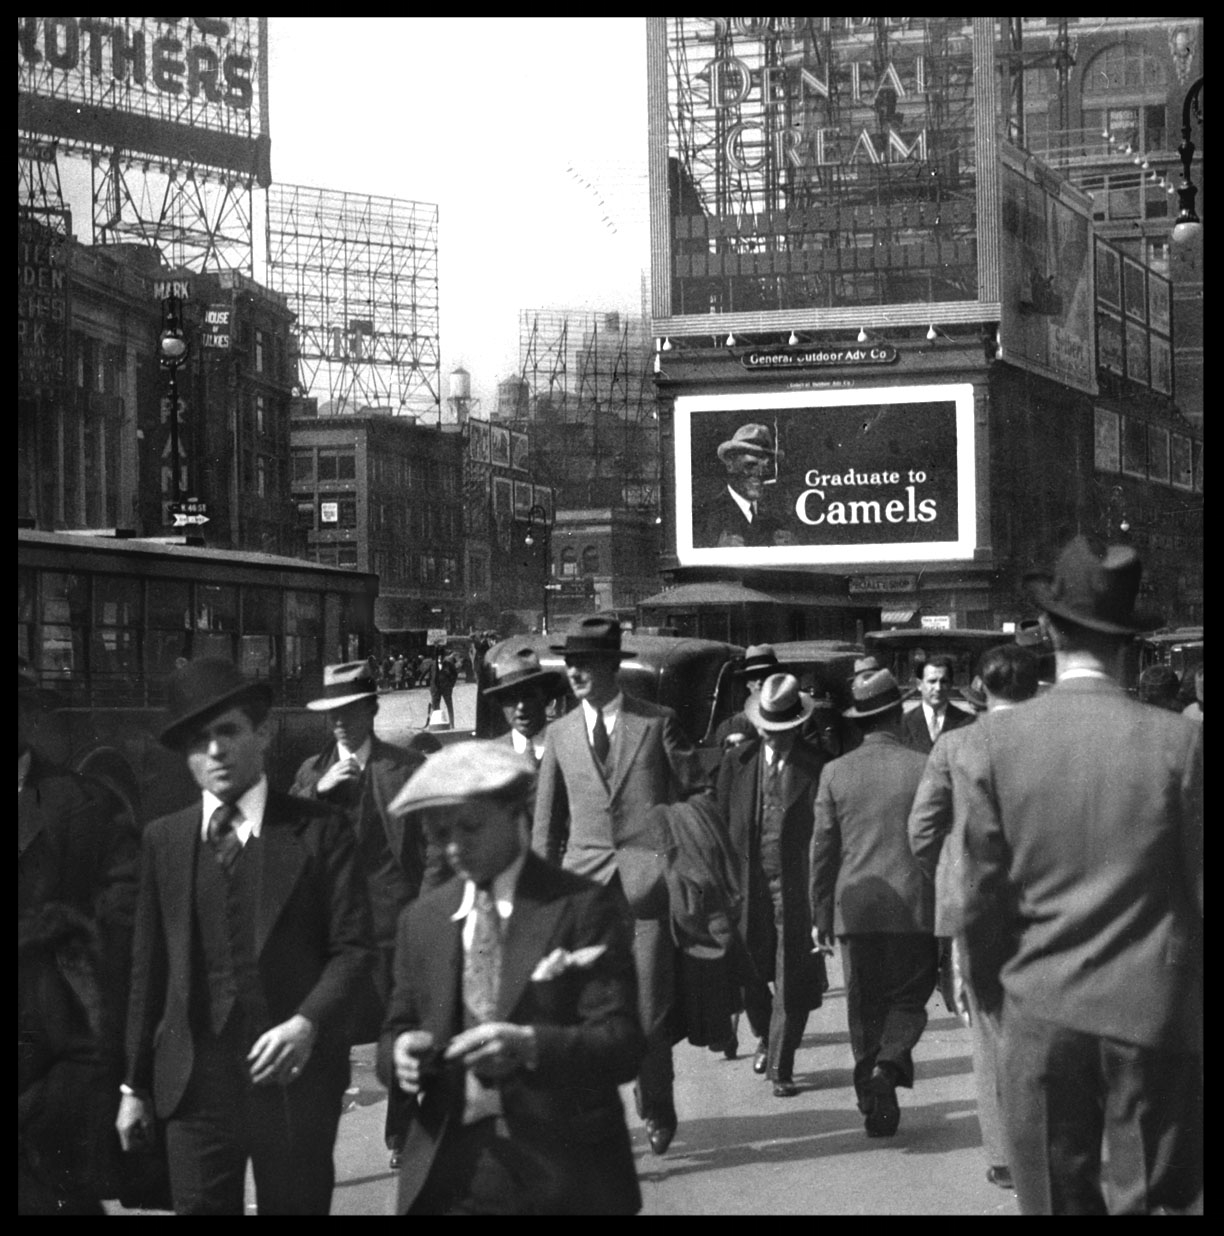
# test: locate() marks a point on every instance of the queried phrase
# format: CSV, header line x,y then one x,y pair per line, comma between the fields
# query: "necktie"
x,y
221,836
482,962
752,509
934,726
600,743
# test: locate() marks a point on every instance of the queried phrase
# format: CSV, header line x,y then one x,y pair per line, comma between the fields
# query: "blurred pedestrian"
x,y
760,660
869,892
935,714
442,676
1194,710
398,665
513,1019
1083,914
1160,687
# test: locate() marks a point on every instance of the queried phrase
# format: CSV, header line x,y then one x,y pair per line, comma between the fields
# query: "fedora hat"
x,y
462,772
749,440
780,705
975,693
873,692
201,689
344,684
515,667
595,635
760,661
1091,586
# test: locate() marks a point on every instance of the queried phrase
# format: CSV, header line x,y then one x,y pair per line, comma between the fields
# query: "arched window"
x,y
569,563
590,560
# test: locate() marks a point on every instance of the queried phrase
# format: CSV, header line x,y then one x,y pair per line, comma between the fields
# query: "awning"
x,y
686,595
897,617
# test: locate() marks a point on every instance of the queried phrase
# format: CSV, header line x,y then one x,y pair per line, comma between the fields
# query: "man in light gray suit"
x,y
605,765
1083,914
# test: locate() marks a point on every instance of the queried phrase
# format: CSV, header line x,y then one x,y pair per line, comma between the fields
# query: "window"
x,y
261,475
169,623
114,652
261,629
590,560
260,424
259,351
305,514
337,463
1125,109
346,554
303,465
569,563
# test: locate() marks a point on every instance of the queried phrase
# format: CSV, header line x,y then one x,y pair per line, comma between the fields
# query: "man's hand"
x,y
280,1054
822,941
134,1122
412,1055
341,773
494,1050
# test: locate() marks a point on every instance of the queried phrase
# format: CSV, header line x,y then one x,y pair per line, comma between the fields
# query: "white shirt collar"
x,y
504,884
1084,672
611,710
361,755
929,712
743,503
251,807
522,743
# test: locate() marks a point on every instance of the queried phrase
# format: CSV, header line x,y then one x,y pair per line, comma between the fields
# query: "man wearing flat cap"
x,y
1083,914
606,763
522,689
513,1019
735,514
869,891
359,775
251,949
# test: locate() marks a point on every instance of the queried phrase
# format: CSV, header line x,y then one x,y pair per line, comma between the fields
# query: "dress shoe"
x,y
785,1088
397,1159
881,1095
760,1061
728,1047
1001,1176
660,1133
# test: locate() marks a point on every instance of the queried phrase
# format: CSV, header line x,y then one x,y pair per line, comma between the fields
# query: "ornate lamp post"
x,y
539,525
1188,230
172,351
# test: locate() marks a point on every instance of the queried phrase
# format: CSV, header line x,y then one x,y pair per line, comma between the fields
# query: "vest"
x,y
773,809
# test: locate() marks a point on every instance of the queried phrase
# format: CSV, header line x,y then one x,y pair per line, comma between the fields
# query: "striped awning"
x,y
897,617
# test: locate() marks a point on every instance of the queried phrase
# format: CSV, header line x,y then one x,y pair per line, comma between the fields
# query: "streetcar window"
x,y
261,628
65,619
303,631
25,614
114,648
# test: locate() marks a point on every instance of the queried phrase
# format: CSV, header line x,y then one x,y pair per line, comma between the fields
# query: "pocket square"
x,y
560,960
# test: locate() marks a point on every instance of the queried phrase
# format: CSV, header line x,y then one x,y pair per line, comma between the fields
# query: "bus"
x,y
105,620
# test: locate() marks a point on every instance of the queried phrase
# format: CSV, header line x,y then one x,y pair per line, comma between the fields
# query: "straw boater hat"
x,y
464,771
344,684
780,705
594,635
750,440
516,667
1091,586
201,690
760,661
873,693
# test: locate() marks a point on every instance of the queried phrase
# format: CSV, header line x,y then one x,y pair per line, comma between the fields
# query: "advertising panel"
x,y
499,446
502,497
519,451
1138,368
543,498
1159,299
478,440
42,304
1162,365
825,477
1179,457
522,500
1110,350
1108,275
1158,454
1107,447
186,89
217,325
1134,289
1134,446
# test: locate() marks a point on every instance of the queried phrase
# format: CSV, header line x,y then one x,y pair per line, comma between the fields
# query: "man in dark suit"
x,y
514,1018
251,949
1083,914
359,775
522,689
869,892
606,764
736,513
934,715
765,790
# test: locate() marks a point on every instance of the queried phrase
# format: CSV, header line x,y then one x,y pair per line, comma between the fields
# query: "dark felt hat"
x,y
873,693
1092,586
344,684
749,440
517,667
595,635
201,689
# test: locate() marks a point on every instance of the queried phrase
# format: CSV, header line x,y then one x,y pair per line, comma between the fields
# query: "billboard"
x,y
42,303
821,172
827,477
180,89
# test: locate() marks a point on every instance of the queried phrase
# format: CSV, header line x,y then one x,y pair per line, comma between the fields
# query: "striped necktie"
x,y
221,836
482,961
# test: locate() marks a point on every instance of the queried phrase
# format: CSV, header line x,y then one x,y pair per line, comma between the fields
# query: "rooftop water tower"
x,y
459,396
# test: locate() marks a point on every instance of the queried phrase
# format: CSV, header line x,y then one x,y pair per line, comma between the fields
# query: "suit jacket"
x,y
1084,846
312,938
566,1113
918,736
718,520
738,794
864,878
650,761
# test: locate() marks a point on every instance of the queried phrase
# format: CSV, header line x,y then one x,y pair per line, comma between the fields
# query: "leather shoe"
x,y
785,1088
760,1061
660,1134
884,1115
397,1158
1001,1176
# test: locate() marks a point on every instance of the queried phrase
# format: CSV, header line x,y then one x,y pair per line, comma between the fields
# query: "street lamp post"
x,y
539,523
1187,230
172,351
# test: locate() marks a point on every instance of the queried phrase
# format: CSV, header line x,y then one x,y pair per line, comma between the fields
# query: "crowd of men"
x,y
526,924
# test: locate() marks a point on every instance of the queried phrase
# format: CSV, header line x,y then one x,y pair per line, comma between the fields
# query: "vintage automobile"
x,y
905,652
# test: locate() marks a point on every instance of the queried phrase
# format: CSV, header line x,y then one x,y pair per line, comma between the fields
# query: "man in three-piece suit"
x,y
934,715
868,891
522,689
765,791
359,775
1083,914
513,1020
606,764
251,947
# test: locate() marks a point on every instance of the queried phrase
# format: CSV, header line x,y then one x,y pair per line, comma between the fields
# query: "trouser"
x,y
984,1031
287,1132
889,979
769,1016
441,695
1065,1093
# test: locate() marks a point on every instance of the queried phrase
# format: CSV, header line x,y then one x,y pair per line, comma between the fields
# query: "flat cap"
x,y
462,772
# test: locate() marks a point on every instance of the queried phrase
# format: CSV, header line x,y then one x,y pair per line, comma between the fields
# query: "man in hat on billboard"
x,y
736,514
522,689
1083,914
513,1019
359,774
251,948
868,890
765,791
606,764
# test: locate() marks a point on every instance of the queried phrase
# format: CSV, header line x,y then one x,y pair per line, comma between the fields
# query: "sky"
x,y
499,121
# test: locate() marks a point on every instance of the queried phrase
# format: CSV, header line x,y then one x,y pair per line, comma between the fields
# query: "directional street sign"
x,y
553,587
184,514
